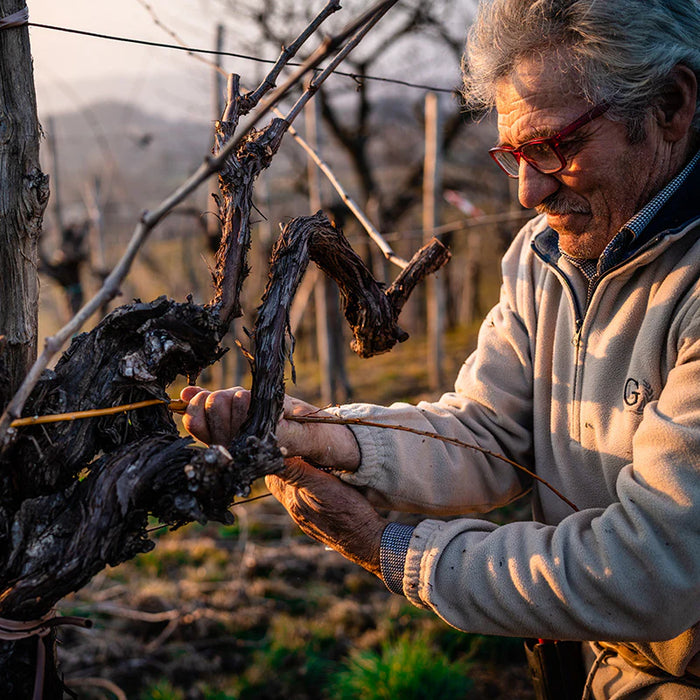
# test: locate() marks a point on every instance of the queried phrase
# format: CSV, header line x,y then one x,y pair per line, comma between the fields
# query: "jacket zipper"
x,y
579,319
575,341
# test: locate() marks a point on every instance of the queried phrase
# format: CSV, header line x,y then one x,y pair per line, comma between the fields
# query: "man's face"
x,y
606,179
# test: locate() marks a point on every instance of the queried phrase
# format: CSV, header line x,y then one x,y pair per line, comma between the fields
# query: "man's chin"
x,y
583,245
574,237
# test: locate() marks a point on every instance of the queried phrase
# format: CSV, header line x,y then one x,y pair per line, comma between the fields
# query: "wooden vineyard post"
x,y
24,192
323,339
23,196
228,371
435,292
55,180
217,101
331,353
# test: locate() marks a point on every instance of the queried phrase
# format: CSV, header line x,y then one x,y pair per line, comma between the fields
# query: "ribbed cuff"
x,y
392,555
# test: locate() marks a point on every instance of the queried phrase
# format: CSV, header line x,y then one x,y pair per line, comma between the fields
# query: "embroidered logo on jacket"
x,y
637,395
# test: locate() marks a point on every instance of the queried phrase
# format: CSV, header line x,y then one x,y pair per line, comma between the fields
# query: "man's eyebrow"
x,y
538,132
541,132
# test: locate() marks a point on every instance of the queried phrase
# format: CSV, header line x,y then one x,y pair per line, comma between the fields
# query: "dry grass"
x,y
257,611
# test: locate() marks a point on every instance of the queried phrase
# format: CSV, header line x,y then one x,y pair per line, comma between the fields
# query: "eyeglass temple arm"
x,y
589,116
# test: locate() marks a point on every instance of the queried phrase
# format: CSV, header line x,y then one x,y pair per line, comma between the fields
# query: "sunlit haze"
x,y
72,71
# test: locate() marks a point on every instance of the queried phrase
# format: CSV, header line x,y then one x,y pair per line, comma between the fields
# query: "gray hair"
x,y
617,51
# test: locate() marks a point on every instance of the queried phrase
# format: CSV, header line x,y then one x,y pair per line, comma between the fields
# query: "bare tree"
x,y
351,109
65,266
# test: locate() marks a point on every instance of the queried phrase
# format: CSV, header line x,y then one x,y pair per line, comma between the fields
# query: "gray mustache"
x,y
558,203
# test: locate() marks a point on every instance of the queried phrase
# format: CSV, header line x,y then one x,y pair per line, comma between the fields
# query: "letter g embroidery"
x,y
631,395
637,395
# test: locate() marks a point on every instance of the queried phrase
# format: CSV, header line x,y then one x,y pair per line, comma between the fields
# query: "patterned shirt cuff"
x,y
392,555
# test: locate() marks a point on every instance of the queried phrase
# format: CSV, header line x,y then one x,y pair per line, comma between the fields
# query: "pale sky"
x,y
72,69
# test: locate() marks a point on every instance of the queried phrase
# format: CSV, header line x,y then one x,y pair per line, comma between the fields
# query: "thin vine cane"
x,y
180,406
435,436
176,405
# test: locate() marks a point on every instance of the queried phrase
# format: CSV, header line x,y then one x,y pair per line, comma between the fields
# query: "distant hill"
x,y
140,156
135,153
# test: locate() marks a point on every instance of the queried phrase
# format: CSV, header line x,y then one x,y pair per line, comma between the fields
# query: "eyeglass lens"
x,y
541,155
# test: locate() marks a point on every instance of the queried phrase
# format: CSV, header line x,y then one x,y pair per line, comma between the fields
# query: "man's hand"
x,y
330,511
216,417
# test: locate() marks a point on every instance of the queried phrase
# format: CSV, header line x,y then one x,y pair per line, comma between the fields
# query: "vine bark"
x,y
76,496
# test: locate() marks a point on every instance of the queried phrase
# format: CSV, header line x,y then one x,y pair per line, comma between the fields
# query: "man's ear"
x,y
677,103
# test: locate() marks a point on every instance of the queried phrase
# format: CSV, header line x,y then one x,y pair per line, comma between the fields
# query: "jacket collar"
x,y
679,209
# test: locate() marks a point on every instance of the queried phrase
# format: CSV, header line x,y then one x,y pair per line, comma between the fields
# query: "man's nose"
x,y
534,186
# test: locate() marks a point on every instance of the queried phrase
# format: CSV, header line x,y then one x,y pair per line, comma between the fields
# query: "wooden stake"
x,y
324,341
435,292
55,179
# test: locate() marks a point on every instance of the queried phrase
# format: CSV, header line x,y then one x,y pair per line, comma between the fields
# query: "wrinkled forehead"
x,y
536,99
541,77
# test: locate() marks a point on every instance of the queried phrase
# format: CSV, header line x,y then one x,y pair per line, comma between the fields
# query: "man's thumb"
x,y
298,472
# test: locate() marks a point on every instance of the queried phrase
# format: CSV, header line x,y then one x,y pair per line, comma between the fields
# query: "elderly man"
x,y
586,372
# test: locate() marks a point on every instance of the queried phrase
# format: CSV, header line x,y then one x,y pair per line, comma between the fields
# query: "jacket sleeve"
x,y
491,407
630,571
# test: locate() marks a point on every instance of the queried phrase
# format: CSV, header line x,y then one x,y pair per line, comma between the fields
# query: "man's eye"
x,y
572,145
537,150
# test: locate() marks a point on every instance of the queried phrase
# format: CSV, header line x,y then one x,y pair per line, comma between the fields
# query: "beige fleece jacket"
x,y
604,405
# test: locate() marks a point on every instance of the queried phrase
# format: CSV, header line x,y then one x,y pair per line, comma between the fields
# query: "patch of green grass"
x,y
201,557
163,690
410,668
297,660
228,532
487,649
210,694
158,563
